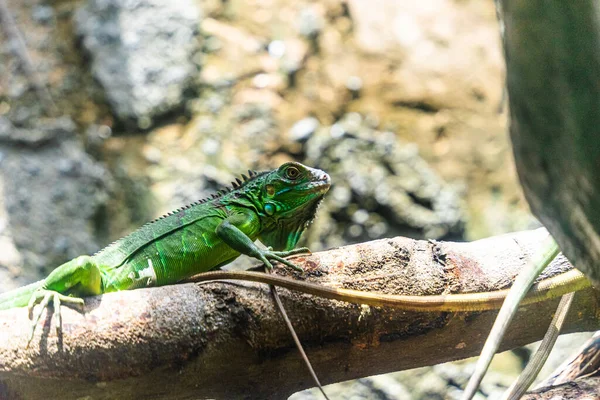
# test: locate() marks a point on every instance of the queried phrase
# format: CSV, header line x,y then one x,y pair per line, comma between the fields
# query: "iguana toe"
x,y
44,297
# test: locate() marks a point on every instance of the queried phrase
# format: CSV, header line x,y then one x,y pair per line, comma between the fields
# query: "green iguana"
x,y
274,207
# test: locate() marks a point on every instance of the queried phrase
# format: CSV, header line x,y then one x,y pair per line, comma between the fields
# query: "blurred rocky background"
x,y
113,112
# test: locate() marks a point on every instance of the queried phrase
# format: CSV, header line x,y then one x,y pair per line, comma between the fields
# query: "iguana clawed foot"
x,y
44,297
269,254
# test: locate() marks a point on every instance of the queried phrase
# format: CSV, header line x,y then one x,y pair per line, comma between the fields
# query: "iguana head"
x,y
290,196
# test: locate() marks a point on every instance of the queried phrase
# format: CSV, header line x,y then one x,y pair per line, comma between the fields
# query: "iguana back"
x,y
178,244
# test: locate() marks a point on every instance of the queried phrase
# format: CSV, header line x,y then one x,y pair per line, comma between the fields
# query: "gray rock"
x,y
354,83
304,128
96,135
142,53
39,133
310,23
276,48
42,14
50,191
381,387
381,187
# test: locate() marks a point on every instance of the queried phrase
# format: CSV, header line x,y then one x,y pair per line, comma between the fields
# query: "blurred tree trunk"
x,y
553,69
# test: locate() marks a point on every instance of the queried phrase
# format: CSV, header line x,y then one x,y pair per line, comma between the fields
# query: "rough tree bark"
x,y
585,363
226,340
586,388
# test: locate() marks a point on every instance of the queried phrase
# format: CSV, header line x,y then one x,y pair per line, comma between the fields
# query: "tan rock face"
x,y
446,53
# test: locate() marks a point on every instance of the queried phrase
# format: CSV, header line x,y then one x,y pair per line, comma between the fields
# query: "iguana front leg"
x,y
232,231
80,276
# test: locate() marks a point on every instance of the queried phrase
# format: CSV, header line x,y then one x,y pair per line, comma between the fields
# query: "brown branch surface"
x,y
226,340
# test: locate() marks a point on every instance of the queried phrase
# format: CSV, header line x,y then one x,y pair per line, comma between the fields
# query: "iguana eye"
x,y
292,173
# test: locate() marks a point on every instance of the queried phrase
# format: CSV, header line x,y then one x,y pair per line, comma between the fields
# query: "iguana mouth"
x,y
320,186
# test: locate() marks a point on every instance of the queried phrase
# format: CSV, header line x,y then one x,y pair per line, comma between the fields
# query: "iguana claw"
x,y
269,254
44,296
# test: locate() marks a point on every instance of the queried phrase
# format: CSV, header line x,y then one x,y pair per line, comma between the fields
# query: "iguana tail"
x,y
19,297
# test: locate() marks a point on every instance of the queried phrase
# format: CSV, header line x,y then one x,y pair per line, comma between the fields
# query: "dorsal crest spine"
x,y
219,193
215,196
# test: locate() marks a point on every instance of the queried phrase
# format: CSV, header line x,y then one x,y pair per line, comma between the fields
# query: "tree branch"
x,y
583,364
226,340
586,388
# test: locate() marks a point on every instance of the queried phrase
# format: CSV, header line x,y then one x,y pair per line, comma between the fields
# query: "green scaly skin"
x,y
274,206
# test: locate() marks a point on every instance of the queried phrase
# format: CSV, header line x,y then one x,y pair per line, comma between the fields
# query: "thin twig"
x,y
520,386
290,327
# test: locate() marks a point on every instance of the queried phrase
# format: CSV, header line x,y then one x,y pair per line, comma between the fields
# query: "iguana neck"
x,y
284,233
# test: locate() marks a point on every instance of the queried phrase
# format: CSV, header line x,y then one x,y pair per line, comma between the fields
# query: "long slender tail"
x,y
550,288
18,297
